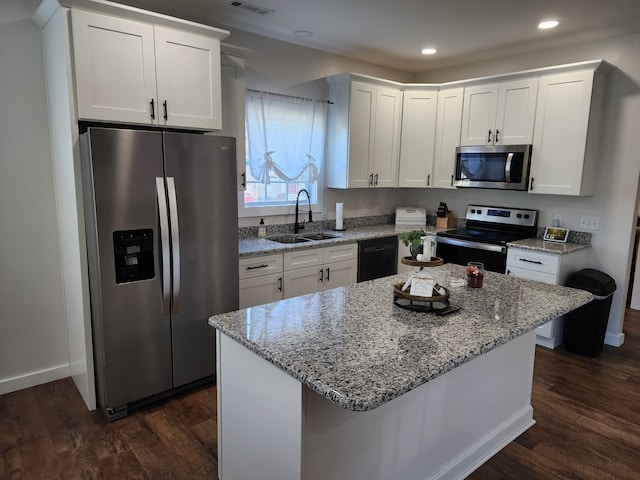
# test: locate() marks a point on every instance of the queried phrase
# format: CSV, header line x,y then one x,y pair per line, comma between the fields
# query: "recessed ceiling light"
x,y
547,24
428,51
303,33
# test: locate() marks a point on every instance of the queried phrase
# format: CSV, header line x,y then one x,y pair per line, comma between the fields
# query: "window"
x,y
285,151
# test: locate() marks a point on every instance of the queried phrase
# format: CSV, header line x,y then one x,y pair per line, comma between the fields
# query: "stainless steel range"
x,y
485,237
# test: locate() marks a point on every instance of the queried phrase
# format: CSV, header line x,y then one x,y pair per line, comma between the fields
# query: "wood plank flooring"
x,y
587,413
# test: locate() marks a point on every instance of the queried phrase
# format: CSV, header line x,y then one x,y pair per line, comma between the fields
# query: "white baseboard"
x,y
476,455
8,385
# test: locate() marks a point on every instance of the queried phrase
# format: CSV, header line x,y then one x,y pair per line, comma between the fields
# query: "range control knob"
x,y
519,215
526,215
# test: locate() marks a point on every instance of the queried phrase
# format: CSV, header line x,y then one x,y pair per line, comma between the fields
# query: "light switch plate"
x,y
590,223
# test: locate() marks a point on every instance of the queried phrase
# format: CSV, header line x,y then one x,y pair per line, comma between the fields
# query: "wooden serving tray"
x,y
398,293
435,262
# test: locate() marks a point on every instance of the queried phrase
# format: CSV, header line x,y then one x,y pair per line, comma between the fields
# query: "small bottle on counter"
x,y
262,229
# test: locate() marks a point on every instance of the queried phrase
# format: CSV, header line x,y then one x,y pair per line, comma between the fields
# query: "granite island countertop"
x,y
263,246
355,347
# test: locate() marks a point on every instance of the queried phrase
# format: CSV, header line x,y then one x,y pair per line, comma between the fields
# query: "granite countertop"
x,y
540,245
359,350
264,246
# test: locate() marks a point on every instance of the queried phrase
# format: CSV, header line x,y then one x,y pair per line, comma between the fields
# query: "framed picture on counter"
x,y
556,234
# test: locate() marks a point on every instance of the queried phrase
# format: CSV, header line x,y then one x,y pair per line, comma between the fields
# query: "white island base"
x,y
272,427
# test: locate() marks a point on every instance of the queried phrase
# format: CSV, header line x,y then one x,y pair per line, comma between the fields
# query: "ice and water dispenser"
x,y
133,254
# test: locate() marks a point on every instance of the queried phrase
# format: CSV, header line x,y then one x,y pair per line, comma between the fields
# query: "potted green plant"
x,y
412,240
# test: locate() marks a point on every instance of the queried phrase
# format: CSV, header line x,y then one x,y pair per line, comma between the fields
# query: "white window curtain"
x,y
285,136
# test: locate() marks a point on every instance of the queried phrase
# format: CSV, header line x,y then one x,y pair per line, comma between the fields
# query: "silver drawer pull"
x,y
530,261
264,265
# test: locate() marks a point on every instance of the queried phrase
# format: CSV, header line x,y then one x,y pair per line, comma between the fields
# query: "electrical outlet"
x,y
557,220
590,223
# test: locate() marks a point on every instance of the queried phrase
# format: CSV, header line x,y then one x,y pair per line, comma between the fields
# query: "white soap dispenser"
x,y
262,229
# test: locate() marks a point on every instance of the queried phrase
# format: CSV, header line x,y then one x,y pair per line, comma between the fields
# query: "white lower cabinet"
x,y
313,270
260,280
548,268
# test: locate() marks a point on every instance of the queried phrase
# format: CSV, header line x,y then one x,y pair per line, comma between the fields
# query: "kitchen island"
x,y
343,384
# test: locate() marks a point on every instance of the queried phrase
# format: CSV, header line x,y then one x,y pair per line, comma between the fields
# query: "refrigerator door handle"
x,y
164,243
175,243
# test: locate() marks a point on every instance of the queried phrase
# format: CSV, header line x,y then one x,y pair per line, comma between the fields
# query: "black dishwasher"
x,y
377,257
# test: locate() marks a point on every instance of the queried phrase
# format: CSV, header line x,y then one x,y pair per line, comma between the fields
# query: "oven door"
x,y
453,250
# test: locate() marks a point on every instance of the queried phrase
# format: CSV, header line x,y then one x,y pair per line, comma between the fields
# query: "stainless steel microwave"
x,y
504,167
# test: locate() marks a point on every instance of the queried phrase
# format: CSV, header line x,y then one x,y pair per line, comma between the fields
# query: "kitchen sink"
x,y
318,236
288,239
301,238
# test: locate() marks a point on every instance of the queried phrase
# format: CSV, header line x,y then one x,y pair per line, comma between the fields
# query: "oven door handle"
x,y
507,168
477,245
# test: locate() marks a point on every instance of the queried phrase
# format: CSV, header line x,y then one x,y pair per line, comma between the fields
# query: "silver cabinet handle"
x,y
280,284
370,179
175,243
489,137
321,275
165,254
428,180
166,112
452,180
497,136
375,181
327,277
531,185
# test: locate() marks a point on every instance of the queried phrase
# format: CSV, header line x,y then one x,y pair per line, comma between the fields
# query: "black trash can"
x,y
585,327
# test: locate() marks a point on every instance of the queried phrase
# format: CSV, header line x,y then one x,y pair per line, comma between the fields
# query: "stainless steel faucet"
x,y
296,226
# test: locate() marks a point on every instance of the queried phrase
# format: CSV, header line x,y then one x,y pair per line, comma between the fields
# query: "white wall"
x,y
615,198
33,337
281,67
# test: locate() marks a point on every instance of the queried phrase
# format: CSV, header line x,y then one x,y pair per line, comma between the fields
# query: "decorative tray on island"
x,y
434,262
419,304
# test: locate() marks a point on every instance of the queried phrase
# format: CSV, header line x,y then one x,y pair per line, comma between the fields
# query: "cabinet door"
x,y
188,76
515,113
560,133
233,109
340,274
361,117
302,281
114,68
479,115
386,137
259,290
448,124
417,138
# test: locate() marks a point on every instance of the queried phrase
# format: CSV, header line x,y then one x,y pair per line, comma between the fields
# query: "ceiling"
x,y
392,33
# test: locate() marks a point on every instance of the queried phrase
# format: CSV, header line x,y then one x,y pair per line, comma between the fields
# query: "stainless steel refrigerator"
x,y
162,244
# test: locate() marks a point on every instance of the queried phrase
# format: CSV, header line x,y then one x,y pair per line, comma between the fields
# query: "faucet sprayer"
x,y
296,226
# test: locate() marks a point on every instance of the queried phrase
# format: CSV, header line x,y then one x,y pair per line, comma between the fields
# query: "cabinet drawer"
x,y
303,258
535,261
263,265
338,253
532,275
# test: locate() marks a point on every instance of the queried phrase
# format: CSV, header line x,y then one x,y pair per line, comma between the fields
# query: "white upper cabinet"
x,y
563,161
130,71
417,138
363,134
448,123
499,113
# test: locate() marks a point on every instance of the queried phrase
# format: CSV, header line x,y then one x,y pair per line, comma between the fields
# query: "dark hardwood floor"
x,y
587,413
